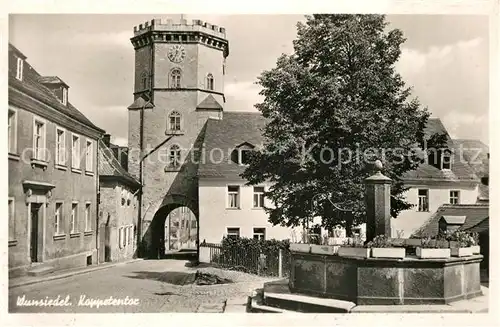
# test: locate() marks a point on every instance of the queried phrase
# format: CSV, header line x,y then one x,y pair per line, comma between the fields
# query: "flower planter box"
x,y
461,252
353,252
430,253
476,249
397,253
324,249
336,240
300,247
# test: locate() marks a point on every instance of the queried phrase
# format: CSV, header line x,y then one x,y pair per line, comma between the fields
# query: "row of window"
x,y
40,140
125,236
184,224
128,198
58,219
233,192
175,80
74,219
423,199
259,233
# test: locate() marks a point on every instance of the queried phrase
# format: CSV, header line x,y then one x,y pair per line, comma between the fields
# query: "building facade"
x,y
53,176
229,207
445,178
118,206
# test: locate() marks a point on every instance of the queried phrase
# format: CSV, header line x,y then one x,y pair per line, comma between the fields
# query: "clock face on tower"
x,y
176,53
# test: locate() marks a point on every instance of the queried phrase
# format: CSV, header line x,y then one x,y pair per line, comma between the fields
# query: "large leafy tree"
x,y
332,107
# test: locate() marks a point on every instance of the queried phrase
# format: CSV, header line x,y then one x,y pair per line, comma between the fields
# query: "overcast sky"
x,y
445,59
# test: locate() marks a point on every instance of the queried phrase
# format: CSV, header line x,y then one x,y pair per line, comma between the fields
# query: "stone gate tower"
x,y
179,84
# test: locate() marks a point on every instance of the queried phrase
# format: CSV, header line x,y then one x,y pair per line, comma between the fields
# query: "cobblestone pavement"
x,y
157,284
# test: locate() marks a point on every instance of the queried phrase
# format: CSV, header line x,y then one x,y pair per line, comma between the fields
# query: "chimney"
x,y
107,139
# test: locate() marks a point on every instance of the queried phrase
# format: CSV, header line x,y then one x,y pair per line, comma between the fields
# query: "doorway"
x,y
34,233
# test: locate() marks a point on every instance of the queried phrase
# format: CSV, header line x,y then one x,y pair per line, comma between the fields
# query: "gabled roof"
x,y
482,226
209,103
51,80
110,168
234,129
454,220
30,88
474,214
475,153
460,169
139,103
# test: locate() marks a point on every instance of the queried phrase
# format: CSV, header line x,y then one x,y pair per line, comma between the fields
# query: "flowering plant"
x,y
380,241
355,242
463,239
430,243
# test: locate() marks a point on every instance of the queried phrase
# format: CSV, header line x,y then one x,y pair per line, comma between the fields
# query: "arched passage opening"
x,y
174,228
181,230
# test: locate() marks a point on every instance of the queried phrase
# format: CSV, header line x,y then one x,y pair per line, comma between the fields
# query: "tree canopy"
x,y
333,107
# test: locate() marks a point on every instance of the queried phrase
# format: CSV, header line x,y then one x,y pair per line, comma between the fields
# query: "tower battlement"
x,y
180,26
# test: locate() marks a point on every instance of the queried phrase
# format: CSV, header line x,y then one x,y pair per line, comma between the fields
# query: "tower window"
x,y
175,78
144,80
174,156
210,82
174,121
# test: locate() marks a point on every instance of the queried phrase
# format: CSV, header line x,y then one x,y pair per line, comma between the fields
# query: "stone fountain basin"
x,y
380,281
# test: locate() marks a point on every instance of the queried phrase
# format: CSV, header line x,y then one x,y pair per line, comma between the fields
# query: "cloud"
x,y
121,141
121,39
113,119
463,125
242,96
452,80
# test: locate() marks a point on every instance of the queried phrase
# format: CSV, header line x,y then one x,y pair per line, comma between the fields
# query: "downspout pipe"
x,y
141,179
98,192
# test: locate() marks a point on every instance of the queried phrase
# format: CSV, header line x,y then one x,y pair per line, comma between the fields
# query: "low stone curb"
x,y
236,305
212,307
47,278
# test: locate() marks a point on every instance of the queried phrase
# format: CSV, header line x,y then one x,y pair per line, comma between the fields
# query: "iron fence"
x,y
250,260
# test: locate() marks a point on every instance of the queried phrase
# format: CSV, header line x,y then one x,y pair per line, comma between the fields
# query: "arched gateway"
x,y
171,228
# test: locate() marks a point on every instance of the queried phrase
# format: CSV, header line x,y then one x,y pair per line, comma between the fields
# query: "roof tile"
x,y
474,214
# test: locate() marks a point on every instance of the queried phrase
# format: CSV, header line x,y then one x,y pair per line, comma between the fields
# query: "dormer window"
x,y
445,160
64,96
440,158
19,69
241,155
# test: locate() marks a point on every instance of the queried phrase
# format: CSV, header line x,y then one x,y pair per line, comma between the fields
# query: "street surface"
x,y
146,286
